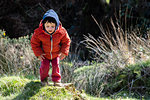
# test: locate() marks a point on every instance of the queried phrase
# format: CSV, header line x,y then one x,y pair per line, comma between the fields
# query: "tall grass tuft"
x,y
116,48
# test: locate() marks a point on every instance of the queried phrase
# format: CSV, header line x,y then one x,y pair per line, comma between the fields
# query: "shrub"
x,y
16,56
101,81
117,48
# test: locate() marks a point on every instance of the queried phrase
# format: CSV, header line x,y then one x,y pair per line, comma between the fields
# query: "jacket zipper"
x,y
51,39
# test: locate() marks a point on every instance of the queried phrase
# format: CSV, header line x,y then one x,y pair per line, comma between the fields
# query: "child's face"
x,y
50,27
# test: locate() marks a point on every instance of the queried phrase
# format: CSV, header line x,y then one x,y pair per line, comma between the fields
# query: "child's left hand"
x,y
62,56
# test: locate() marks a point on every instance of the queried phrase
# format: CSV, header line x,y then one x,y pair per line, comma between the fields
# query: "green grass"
x,y
108,98
20,88
10,85
117,84
84,68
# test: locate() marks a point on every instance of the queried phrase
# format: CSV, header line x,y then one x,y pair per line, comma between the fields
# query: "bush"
x,y
99,80
16,56
116,48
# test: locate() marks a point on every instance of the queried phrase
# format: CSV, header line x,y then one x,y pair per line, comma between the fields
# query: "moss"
x,y
48,93
22,88
32,90
9,85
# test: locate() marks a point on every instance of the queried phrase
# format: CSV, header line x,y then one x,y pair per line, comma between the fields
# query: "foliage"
x,y
100,80
117,48
16,56
11,85
90,78
32,90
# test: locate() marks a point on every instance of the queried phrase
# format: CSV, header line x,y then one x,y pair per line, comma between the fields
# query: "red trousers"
x,y
44,69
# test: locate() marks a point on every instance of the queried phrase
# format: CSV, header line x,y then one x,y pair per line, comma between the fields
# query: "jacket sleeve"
x,y
36,45
65,44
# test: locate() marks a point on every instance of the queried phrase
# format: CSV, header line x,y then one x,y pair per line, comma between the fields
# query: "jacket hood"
x,y
53,14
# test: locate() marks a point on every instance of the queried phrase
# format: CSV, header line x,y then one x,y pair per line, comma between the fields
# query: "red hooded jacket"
x,y
51,45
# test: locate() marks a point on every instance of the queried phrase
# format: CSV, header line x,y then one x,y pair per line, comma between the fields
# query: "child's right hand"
x,y
41,57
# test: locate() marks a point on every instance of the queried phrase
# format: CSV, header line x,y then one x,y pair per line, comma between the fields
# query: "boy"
x,y
50,42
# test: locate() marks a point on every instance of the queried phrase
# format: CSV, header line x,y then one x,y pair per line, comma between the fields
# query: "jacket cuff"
x,y
66,53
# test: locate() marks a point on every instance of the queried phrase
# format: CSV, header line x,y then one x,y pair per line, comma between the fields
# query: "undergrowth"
x,y
129,82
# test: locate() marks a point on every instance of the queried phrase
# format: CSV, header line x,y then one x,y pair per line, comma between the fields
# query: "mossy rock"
x,y
33,90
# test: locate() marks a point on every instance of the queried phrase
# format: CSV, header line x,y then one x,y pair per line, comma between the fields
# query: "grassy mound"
x,y
132,81
16,88
11,85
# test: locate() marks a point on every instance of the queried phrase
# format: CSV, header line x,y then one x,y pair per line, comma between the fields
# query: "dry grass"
x,y
118,46
16,56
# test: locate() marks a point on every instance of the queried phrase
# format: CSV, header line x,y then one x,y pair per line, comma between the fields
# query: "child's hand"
x,y
41,57
62,56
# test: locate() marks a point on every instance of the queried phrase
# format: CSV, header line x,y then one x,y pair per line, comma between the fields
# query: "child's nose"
x,y
51,28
